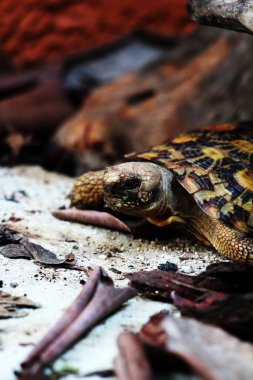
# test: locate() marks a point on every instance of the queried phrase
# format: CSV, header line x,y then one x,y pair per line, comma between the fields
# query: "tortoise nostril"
x,y
111,188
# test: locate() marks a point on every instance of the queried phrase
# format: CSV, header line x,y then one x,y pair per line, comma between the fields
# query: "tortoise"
x,y
202,179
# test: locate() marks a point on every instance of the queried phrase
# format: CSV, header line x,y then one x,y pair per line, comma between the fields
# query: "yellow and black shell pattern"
x,y
215,165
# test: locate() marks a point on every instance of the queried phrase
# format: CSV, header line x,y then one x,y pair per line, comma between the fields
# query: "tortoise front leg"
x,y
87,191
233,244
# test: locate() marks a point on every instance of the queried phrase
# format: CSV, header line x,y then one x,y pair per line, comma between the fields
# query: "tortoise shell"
x,y
215,165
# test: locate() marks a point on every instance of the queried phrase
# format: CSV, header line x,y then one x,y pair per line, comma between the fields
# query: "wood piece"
x,y
235,14
131,362
98,218
28,98
101,299
10,305
160,101
71,313
209,351
222,295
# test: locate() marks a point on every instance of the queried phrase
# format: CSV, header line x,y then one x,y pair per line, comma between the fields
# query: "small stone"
x,y
114,270
186,269
168,267
13,284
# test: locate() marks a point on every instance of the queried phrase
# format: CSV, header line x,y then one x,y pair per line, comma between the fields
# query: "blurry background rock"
x,y
79,88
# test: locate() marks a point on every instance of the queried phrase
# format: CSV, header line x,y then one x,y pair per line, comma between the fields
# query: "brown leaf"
x,y
8,236
22,248
15,251
222,295
232,312
159,284
41,254
39,376
98,218
114,220
9,304
212,353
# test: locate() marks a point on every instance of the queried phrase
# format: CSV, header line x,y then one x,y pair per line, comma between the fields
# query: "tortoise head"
x,y
137,188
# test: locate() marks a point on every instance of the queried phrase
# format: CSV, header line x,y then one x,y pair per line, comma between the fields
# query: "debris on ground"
x,y
16,247
222,295
209,351
98,299
10,305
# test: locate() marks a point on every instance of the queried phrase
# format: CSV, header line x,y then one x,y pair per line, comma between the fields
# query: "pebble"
x,y
186,269
13,284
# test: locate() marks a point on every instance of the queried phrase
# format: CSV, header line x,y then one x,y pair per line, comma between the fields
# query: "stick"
x,y
131,363
71,313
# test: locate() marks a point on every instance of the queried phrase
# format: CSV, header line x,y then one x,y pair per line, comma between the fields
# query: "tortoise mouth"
x,y
130,201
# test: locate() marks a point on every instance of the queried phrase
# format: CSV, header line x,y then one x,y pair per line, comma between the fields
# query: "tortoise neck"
x,y
178,201
168,202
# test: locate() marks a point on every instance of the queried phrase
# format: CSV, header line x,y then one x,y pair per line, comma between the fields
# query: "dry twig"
x,y
98,299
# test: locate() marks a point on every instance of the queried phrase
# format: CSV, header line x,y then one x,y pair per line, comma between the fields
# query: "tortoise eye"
x,y
131,183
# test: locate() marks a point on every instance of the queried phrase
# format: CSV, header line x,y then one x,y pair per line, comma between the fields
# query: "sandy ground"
x,y
37,193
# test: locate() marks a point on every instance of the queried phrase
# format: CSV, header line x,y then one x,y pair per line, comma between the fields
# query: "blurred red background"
x,y
33,32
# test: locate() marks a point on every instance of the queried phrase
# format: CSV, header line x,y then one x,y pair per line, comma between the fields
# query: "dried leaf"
x,y
212,353
22,248
114,220
159,284
9,304
98,218
39,376
232,312
8,236
41,254
15,251
222,295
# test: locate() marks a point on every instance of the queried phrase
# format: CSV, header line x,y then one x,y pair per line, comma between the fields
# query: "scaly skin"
x,y
228,242
89,191
233,244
